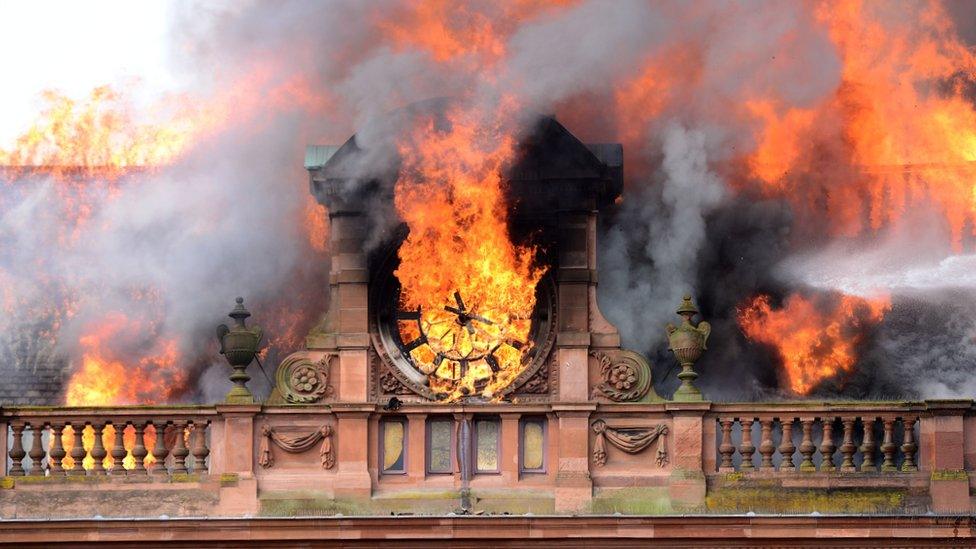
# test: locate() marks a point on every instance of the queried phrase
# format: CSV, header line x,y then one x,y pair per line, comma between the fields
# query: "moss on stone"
x,y
633,501
949,474
780,500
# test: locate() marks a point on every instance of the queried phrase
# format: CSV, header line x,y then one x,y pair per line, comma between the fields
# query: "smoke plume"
x,y
765,152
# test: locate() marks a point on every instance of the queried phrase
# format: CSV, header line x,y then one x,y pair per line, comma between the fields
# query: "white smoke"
x,y
666,225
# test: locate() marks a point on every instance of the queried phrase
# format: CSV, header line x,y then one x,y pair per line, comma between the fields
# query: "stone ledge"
x,y
685,531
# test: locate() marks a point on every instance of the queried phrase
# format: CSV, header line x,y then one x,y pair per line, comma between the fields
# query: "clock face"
x,y
462,348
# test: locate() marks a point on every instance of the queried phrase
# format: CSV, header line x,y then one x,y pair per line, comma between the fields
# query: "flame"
x,y
452,29
91,148
96,137
813,340
904,121
106,380
450,195
316,224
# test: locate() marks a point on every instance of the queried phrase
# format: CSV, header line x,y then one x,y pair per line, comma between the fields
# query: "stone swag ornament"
x,y
239,345
687,342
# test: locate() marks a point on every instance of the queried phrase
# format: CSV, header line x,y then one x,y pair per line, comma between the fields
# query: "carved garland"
x,y
627,378
629,439
296,444
301,381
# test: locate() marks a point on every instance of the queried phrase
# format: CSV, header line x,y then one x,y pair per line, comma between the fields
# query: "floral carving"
x,y
626,376
538,383
302,381
391,385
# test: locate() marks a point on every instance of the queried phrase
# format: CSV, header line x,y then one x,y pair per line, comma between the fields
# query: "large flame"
x,y
458,256
90,149
814,340
903,118
104,378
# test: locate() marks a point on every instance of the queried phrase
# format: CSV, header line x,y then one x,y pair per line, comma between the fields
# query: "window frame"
x,y
498,445
429,446
544,421
402,420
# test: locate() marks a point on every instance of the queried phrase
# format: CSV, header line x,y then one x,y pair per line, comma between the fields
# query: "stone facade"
x,y
346,433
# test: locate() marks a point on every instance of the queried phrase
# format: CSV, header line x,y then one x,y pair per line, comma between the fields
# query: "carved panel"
x,y
626,376
303,377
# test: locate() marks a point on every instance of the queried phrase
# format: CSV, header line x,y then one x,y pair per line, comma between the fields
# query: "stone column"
x,y
943,454
233,458
574,488
353,481
573,276
508,447
686,485
416,436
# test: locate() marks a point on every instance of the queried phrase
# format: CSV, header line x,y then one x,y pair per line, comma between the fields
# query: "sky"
x,y
75,46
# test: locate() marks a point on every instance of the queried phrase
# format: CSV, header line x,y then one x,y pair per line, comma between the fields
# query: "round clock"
x,y
460,349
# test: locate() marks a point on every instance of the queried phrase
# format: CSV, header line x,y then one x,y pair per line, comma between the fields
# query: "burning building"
x,y
465,303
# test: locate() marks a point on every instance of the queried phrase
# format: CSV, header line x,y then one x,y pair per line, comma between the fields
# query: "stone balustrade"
x,y
854,438
362,458
87,442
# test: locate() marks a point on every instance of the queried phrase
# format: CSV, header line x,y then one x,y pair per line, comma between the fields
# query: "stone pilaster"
x,y
232,457
574,487
943,455
687,483
352,443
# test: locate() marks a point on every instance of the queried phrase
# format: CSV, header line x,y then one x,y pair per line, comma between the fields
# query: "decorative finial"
x,y
239,345
687,342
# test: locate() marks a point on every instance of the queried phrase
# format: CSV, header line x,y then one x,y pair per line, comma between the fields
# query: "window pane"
x,y
440,446
487,445
533,445
392,446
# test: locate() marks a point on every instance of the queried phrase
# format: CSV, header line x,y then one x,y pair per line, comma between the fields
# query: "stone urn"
x,y
687,342
239,345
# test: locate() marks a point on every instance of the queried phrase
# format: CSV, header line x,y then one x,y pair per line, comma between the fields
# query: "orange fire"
x,y
105,379
458,257
814,340
94,137
902,117
93,146
451,29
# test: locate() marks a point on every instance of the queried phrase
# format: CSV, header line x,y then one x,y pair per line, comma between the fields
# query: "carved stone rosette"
x,y
303,377
626,376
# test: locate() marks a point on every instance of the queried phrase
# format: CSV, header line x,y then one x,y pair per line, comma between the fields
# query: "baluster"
x,y
118,448
54,463
847,448
888,446
745,447
766,446
16,451
77,450
786,447
827,445
806,446
159,449
98,451
200,450
909,446
868,446
726,448
139,449
179,449
37,451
